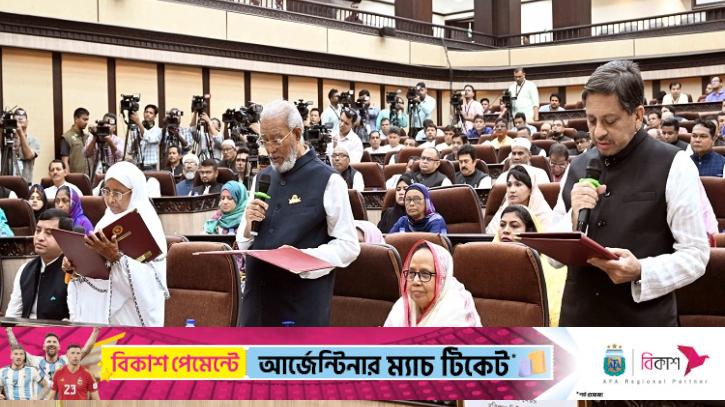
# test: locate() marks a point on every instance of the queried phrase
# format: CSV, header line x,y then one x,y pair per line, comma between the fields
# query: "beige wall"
x,y
227,91
77,10
85,84
617,10
266,87
182,82
574,93
133,77
301,87
28,83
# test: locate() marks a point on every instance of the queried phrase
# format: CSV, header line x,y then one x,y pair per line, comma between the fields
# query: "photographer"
x,y
368,113
399,115
112,145
471,107
524,96
25,147
213,129
421,108
150,135
332,113
347,138
314,118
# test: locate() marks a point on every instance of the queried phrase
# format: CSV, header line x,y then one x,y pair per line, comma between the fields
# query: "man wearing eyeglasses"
x,y
428,173
242,167
341,163
309,209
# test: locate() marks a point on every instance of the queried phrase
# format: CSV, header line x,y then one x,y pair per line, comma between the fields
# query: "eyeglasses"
x,y
114,194
339,155
276,142
415,199
429,159
423,276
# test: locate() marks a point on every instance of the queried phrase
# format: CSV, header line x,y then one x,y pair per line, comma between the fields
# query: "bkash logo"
x,y
693,358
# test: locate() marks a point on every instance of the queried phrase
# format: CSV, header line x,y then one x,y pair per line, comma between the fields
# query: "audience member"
x,y
208,173
73,142
582,141
708,162
431,131
391,215
479,129
517,219
525,132
136,292
37,200
173,161
486,105
554,104
422,109
232,202
521,156
341,164
67,200
654,120
545,130
428,173
5,230
557,131
20,381
367,232
394,143
721,123
708,89
500,134
151,137
420,214
57,173
675,97
469,174
229,155
384,128
669,132
391,182
25,147
375,144
347,138
471,107
111,145
717,93
520,121
447,143
191,165
333,111
430,294
458,141
42,298
526,94
410,142
520,190
558,161
242,167
399,119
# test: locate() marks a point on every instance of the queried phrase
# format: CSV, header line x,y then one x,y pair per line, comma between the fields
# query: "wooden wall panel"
x,y
266,87
85,84
302,87
133,77
181,83
226,90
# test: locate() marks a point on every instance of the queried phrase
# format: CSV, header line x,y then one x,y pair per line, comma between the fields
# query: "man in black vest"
x,y
647,211
469,174
39,290
428,173
309,209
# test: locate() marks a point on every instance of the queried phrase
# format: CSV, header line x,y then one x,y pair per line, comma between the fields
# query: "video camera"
x,y
318,136
391,97
507,99
129,103
103,129
457,100
347,98
199,104
239,120
301,106
173,118
412,96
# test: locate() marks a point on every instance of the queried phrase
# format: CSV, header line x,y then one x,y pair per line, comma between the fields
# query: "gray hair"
x,y
286,108
621,78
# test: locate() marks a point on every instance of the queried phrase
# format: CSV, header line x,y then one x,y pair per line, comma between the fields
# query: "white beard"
x,y
288,163
189,175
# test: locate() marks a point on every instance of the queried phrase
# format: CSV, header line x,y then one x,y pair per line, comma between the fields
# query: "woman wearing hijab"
x,y
521,191
135,292
37,200
232,203
420,214
429,294
517,219
68,200
392,214
367,232
5,230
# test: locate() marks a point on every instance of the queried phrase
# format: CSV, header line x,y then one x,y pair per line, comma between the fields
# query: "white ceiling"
x,y
451,6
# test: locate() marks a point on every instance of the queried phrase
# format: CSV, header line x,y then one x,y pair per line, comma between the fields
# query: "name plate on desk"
x,y
186,204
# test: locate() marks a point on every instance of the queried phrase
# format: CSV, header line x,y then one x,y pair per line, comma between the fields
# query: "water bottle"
x,y
190,323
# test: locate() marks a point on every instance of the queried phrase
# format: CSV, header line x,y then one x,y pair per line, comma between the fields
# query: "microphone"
x,y
594,170
263,184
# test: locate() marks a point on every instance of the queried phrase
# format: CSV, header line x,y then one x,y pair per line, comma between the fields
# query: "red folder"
x,y
572,249
288,258
86,261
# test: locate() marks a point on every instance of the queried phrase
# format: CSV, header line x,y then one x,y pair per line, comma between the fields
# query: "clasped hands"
x,y
98,242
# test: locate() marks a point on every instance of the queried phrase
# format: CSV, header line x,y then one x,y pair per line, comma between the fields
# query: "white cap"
x,y
190,158
521,142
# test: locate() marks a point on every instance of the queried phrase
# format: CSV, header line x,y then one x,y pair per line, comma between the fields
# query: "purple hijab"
x,y
429,208
76,210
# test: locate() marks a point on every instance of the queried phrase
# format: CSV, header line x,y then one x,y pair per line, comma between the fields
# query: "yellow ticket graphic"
x,y
123,362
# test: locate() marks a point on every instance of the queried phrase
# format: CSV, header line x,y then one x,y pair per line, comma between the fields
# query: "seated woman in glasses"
x,y
420,214
68,200
517,219
135,293
429,294
521,191
232,202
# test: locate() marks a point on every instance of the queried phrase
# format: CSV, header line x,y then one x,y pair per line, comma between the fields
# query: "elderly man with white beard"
x,y
308,209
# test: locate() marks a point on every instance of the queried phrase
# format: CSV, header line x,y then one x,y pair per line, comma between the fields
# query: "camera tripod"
x,y
203,147
100,160
9,162
132,131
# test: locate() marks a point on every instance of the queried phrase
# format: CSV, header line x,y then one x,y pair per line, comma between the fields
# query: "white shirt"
x,y
52,190
15,306
527,96
682,99
442,146
358,183
420,136
428,144
332,115
470,110
23,379
350,142
547,108
344,248
667,272
382,150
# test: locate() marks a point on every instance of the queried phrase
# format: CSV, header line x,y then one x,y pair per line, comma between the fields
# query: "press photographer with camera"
x,y
331,114
524,96
149,137
471,107
206,132
368,113
104,138
73,143
24,147
420,108
347,138
314,118
395,112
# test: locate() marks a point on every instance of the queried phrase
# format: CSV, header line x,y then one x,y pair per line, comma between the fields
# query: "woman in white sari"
x,y
429,294
135,292
520,190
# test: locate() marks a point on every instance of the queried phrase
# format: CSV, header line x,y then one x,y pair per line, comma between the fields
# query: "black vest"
x,y
473,180
431,180
296,217
50,287
349,176
632,215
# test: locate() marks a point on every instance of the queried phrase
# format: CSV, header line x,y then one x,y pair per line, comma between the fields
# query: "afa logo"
x,y
614,363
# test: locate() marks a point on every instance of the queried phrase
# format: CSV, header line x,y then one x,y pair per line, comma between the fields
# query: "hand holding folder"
x,y
285,257
572,249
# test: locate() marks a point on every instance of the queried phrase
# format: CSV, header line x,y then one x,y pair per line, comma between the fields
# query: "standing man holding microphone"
x,y
646,211
307,208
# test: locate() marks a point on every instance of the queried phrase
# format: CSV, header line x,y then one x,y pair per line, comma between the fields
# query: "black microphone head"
x,y
594,168
263,183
